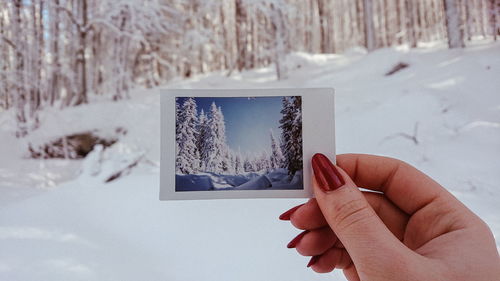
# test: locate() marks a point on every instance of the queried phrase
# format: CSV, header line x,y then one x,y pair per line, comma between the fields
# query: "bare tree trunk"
x,y
468,19
5,64
225,39
81,53
370,43
56,66
388,19
494,7
278,24
360,21
322,26
410,23
241,43
453,24
36,62
400,21
21,99
481,18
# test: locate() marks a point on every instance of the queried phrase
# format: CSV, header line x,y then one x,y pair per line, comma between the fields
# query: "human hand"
x,y
412,230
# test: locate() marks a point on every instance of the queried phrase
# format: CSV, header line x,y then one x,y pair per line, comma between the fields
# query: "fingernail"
x,y
326,174
286,215
296,240
313,260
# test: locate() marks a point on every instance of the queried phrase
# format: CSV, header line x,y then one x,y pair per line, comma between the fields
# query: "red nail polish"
x,y
313,260
326,174
296,240
286,215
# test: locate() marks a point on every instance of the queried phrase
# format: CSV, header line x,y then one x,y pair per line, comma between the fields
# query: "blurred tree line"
x,y
68,52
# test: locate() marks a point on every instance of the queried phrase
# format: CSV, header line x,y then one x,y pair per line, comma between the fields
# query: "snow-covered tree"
x,y
276,160
228,162
216,147
202,137
178,116
238,164
248,165
179,119
188,157
291,133
264,161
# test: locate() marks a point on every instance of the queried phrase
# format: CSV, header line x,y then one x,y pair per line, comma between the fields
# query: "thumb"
x,y
350,216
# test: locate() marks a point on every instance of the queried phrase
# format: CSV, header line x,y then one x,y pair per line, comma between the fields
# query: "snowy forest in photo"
x,y
205,160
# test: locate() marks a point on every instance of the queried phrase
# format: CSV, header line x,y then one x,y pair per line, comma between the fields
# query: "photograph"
x,y
238,143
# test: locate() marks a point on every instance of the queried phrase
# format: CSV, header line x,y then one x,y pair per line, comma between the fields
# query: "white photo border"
x,y
318,135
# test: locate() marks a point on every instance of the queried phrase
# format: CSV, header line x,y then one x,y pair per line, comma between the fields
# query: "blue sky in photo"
x,y
248,120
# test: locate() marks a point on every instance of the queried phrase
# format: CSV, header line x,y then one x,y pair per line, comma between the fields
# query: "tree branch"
x,y
70,15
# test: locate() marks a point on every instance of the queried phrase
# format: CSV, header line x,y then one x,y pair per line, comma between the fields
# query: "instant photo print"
x,y
219,144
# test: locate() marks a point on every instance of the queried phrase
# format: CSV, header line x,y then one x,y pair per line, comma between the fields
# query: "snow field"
x,y
84,229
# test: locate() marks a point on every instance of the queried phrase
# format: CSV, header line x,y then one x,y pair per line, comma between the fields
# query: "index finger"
x,y
404,185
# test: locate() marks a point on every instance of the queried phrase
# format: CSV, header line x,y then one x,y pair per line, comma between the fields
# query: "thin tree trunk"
x,y
453,25
4,62
387,22
360,21
411,23
322,26
20,65
54,93
241,43
493,11
83,36
370,43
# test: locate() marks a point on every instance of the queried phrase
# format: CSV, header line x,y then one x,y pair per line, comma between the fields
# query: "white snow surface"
x,y
60,221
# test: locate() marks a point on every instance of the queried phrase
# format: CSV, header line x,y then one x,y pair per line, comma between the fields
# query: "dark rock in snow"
x,y
74,146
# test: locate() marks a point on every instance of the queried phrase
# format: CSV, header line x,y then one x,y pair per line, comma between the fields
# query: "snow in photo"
x,y
238,143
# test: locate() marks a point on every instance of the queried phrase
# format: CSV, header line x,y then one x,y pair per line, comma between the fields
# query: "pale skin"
x,y
413,230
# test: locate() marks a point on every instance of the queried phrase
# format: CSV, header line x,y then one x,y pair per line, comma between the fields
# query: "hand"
x,y
412,229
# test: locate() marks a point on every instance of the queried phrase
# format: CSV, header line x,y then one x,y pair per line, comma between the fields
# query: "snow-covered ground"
x,y
274,179
59,221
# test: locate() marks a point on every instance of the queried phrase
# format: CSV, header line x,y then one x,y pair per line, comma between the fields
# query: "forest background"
x,y
64,53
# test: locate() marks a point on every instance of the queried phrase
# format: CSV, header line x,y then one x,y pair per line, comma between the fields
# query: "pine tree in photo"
x,y
264,161
188,157
202,137
232,162
178,121
257,162
227,168
228,162
238,164
248,165
291,133
277,159
216,146
178,115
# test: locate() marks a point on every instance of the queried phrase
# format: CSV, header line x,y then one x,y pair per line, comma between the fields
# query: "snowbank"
x,y
275,179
